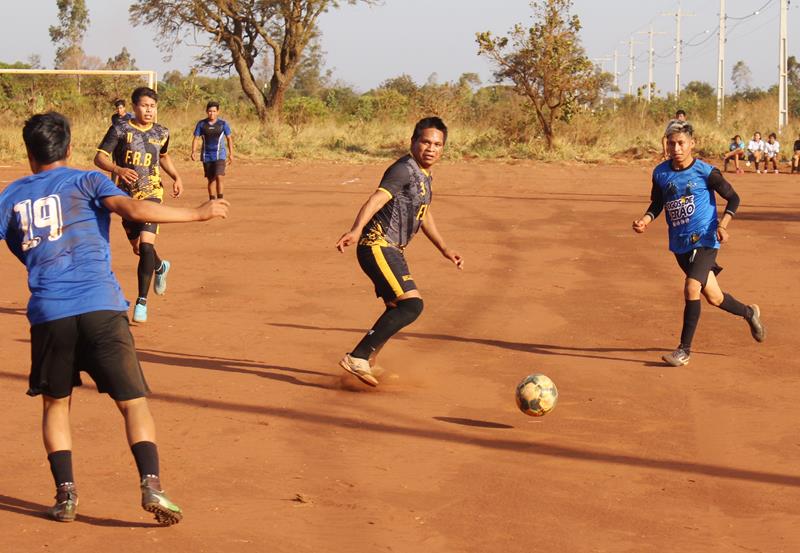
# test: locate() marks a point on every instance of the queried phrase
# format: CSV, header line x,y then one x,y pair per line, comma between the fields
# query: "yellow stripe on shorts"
x,y
383,265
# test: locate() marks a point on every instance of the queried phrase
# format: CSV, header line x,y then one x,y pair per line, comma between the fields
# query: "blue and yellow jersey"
x,y
409,189
55,223
138,148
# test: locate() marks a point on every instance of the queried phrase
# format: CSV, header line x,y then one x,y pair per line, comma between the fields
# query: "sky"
x,y
366,45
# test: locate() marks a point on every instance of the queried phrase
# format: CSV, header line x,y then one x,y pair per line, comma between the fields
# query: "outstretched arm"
x,y
655,207
374,203
150,212
430,230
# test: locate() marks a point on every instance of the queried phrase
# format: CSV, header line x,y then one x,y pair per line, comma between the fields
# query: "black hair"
x,y
119,102
212,104
772,135
143,91
47,137
429,123
680,112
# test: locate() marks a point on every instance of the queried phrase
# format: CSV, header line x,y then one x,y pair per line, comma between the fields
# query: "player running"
x,y
56,222
215,157
133,152
685,187
120,113
384,226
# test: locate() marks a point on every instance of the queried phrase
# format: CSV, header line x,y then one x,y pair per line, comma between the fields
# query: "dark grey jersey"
x,y
409,190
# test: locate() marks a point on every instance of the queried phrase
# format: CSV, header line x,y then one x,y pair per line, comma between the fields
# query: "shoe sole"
x,y
164,516
367,379
163,290
673,363
140,320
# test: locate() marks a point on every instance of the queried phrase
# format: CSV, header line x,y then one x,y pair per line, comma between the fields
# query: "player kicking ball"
x,y
56,222
384,226
685,187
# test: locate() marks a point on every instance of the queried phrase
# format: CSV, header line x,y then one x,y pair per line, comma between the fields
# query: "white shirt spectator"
x,y
755,146
771,150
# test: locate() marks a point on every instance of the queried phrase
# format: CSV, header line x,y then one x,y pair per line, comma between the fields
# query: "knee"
x,y
692,289
409,310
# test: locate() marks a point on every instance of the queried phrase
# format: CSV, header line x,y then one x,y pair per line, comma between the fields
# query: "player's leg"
x,y
750,313
220,186
796,162
109,355
208,173
53,374
696,265
387,268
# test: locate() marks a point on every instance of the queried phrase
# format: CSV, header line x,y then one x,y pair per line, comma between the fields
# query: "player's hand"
x,y
229,161
213,208
722,235
194,156
128,175
177,188
639,226
347,239
455,257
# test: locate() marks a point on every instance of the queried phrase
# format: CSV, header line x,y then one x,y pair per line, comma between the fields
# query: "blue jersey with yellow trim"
x,y
691,207
54,223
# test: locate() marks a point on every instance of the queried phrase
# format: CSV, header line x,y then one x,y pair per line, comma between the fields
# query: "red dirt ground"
x,y
268,448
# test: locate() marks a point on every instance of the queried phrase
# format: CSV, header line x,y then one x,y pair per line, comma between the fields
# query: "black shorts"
x,y
387,269
133,230
697,263
98,343
213,169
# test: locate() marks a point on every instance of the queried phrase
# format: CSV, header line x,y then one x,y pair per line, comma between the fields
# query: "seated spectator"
x,y
796,157
735,153
771,150
755,150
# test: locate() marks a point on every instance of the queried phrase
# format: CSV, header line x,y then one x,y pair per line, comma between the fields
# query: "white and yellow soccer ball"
x,y
536,395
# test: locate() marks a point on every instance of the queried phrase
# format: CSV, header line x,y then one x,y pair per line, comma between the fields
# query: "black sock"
x,y
210,197
157,262
387,325
61,466
146,456
732,305
219,196
141,301
147,265
691,316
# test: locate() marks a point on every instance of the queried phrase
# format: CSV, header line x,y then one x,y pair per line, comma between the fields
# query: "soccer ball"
x,y
536,395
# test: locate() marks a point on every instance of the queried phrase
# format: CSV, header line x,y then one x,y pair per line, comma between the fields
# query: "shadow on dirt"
x,y
35,510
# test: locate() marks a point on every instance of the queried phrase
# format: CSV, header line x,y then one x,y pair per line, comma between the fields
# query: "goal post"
x,y
152,82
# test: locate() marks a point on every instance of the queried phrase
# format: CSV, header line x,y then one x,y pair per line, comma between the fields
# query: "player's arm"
x,y
169,168
229,141
102,158
432,232
196,142
152,212
653,210
374,203
718,184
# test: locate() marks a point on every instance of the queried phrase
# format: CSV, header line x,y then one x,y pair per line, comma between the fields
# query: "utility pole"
x,y
783,71
678,16
631,65
616,72
721,63
650,61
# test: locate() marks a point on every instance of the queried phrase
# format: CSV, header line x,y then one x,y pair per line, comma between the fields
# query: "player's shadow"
x,y
540,349
13,311
36,510
473,422
240,366
769,216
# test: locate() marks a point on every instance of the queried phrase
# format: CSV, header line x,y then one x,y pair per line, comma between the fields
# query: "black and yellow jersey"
x,y
138,148
409,190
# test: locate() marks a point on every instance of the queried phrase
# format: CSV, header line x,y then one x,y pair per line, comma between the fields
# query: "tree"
x,y
311,79
742,77
546,63
700,89
241,30
73,21
122,61
793,70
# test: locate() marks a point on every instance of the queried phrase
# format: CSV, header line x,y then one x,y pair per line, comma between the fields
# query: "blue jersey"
x,y
690,205
213,142
55,223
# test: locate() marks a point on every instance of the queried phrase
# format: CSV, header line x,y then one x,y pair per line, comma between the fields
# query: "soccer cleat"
x,y
756,328
139,313
66,507
359,368
677,358
155,500
776,171
160,282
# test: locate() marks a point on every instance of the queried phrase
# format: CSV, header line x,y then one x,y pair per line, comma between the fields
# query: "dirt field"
x,y
268,448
